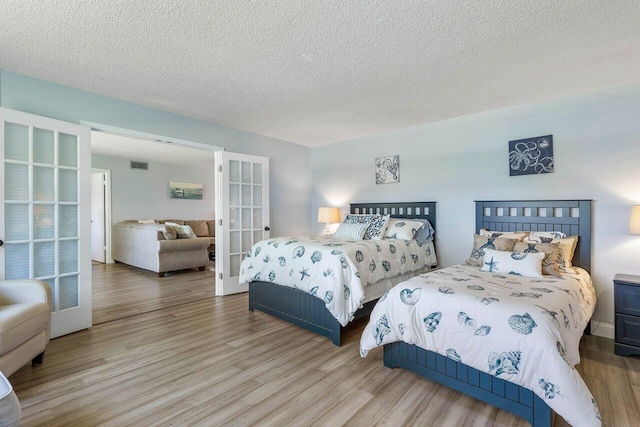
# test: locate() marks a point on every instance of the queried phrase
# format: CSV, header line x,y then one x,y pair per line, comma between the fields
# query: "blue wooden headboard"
x,y
572,217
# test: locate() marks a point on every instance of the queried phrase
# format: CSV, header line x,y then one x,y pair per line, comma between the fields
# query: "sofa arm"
x,y
24,291
183,244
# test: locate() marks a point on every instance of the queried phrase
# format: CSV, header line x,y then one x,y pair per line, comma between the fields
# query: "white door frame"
x,y
107,211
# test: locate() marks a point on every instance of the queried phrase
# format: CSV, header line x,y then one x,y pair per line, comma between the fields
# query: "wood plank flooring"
x,y
212,362
120,290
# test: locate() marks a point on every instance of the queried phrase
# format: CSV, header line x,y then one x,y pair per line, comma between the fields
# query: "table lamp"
x,y
634,224
328,216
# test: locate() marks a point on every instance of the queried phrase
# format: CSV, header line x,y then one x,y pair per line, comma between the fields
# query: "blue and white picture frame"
x,y
531,156
388,169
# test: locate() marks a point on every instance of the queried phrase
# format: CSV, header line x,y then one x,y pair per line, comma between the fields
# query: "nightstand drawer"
x,y
628,329
627,299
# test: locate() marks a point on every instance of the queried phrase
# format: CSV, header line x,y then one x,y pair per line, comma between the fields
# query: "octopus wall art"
x,y
531,156
387,169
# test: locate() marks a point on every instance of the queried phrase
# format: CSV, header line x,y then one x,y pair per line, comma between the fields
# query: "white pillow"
x,y
549,235
348,231
401,228
520,264
183,231
146,221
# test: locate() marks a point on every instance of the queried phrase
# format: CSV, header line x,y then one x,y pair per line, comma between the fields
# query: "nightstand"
x,y
627,304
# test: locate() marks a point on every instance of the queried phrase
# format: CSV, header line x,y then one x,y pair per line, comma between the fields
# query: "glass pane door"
x,y
42,210
242,212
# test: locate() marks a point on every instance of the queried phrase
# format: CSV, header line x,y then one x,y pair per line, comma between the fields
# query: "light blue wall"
x,y
48,99
140,194
454,162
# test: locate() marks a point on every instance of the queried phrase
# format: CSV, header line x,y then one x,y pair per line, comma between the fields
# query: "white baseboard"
x,y
602,329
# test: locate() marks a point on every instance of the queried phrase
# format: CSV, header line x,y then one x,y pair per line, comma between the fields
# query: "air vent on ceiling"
x,y
140,165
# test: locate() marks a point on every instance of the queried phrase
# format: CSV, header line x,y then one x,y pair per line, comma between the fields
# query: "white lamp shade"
x,y
634,224
328,215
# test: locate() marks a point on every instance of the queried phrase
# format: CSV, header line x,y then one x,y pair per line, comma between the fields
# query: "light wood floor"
x,y
212,362
120,290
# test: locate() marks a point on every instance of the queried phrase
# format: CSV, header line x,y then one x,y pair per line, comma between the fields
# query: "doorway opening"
x,y
135,195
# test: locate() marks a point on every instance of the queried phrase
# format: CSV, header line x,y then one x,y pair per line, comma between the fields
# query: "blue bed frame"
x,y
572,217
309,312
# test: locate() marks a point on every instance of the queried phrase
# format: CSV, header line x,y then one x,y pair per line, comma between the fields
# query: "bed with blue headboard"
x,y
310,312
572,217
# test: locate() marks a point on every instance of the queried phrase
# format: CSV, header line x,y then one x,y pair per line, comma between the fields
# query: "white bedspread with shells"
x,y
520,329
333,270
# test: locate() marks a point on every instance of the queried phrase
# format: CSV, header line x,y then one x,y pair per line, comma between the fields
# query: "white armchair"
x,y
25,323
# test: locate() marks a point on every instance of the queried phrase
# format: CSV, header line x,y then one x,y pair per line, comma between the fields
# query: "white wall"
x,y
596,140
289,184
137,194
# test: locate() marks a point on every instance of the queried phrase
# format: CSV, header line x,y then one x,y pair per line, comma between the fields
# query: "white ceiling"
x,y
316,72
144,150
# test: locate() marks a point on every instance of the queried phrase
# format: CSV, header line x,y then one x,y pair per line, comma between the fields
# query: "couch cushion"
x,y
212,228
199,227
19,322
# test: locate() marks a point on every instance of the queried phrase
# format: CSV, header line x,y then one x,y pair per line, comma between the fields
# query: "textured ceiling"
x,y
316,72
143,150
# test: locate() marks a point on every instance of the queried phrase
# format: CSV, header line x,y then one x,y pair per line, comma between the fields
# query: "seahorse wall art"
x,y
388,169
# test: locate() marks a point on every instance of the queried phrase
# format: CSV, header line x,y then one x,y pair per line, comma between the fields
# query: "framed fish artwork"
x,y
388,169
531,156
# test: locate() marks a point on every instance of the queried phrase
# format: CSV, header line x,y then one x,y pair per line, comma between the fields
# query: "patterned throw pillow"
x,y
567,249
169,233
183,231
376,224
348,231
403,229
551,255
548,235
481,243
518,263
519,235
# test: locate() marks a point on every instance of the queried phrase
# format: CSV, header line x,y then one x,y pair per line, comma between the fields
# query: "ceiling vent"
x,y
140,165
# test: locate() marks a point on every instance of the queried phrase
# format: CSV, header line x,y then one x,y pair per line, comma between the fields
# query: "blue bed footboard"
x,y
467,380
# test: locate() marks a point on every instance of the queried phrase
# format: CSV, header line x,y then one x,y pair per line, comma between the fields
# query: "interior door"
x,y
242,214
98,235
45,212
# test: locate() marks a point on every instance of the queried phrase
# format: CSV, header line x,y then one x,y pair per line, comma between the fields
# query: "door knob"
x,y
266,229
1,243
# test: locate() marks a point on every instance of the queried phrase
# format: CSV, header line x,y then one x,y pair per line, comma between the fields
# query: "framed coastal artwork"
x,y
388,169
185,190
531,156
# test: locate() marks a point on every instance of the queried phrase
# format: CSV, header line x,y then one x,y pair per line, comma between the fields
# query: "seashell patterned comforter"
x,y
336,271
520,329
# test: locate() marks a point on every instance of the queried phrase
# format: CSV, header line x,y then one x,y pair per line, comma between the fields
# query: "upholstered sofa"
x,y
154,247
25,323
201,228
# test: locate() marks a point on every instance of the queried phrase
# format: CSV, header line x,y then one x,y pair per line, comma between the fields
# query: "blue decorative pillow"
x,y
376,224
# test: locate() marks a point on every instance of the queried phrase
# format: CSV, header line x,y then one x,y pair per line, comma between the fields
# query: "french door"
x,y
45,212
242,214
